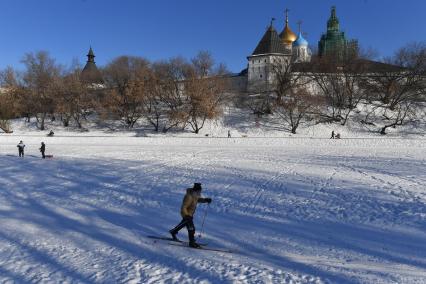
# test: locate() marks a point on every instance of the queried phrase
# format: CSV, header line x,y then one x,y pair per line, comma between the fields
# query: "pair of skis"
x,y
179,243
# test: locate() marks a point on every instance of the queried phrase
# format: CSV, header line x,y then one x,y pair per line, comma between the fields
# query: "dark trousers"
x,y
21,152
42,154
189,224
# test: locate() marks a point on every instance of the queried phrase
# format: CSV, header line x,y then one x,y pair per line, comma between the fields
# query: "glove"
x,y
208,200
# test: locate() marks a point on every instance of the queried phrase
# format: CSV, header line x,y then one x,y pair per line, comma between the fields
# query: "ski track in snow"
x,y
296,213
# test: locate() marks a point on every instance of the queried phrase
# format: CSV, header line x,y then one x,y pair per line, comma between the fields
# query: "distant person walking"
x,y
229,133
21,147
43,150
332,135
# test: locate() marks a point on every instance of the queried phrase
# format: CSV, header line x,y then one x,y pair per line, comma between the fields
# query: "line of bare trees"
x,y
179,93
174,93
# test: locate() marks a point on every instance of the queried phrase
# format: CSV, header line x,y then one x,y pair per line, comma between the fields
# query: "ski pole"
x,y
204,219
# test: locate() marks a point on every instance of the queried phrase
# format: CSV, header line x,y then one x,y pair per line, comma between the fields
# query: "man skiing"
x,y
21,147
189,204
43,149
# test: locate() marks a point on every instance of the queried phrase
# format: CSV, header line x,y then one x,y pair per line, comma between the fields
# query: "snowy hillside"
x,y
293,210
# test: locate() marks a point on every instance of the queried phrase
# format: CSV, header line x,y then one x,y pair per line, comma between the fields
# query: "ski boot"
x,y
173,233
194,245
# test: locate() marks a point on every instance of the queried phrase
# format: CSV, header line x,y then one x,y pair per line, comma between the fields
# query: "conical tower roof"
x,y
91,53
270,43
90,73
333,23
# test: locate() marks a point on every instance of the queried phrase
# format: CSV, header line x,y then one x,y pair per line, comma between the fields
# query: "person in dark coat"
x,y
21,147
189,205
43,149
332,135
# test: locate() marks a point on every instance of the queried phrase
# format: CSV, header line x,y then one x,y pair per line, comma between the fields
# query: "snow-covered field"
x,y
294,210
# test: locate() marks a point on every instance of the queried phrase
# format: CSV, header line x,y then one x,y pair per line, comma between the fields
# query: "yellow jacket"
x,y
189,203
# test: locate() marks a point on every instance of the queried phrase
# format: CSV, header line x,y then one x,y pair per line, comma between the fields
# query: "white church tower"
x,y
301,51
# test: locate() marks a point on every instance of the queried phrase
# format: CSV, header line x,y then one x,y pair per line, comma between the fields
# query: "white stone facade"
x,y
261,76
301,54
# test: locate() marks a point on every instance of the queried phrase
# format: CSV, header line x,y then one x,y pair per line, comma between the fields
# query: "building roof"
x,y
270,43
359,65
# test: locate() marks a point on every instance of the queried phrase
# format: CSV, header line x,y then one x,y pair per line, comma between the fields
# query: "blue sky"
x,y
229,29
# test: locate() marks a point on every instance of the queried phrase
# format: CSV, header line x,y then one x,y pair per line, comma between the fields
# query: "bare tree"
x,y
204,95
293,102
8,93
73,101
354,75
259,103
164,104
401,87
6,112
203,64
342,83
127,78
39,81
204,98
297,107
401,114
328,75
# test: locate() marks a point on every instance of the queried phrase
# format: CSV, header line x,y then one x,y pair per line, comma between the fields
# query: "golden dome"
x,y
287,36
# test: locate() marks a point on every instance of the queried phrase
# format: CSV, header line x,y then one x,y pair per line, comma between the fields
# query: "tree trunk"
x,y
41,121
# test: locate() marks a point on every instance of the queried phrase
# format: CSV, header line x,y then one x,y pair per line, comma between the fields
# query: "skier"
x,y
21,147
229,133
332,135
43,149
189,204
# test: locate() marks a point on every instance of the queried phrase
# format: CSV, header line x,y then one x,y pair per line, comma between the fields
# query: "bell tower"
x,y
90,73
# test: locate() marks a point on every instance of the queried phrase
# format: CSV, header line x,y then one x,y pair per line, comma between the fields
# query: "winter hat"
x,y
197,186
